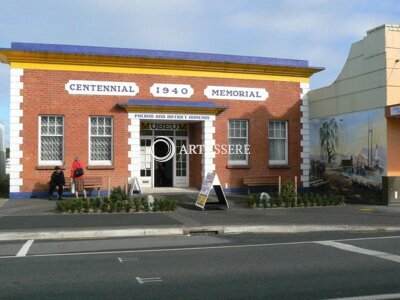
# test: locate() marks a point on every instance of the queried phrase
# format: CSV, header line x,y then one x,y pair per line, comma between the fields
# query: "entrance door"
x,y
181,163
145,162
163,171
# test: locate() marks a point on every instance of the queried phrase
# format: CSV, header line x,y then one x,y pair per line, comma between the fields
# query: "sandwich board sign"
x,y
211,181
135,186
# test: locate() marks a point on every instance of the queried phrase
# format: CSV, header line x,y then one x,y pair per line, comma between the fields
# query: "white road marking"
x,y
122,259
355,249
148,280
372,297
195,248
25,248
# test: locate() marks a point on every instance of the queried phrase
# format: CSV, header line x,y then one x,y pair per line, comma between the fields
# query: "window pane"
x,y
100,148
107,131
108,122
238,150
51,148
277,150
52,120
93,121
100,131
59,130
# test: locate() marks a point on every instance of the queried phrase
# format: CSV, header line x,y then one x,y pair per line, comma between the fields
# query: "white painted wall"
x,y
2,152
362,83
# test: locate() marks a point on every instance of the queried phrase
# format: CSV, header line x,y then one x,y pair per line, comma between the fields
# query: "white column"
x,y
207,137
134,142
16,127
305,135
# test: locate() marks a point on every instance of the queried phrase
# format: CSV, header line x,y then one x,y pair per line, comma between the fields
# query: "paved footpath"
x,y
36,219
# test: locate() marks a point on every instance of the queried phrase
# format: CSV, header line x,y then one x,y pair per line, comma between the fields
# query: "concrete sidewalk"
x,y
36,219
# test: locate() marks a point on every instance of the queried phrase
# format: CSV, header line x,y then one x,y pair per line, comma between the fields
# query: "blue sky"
x,y
315,30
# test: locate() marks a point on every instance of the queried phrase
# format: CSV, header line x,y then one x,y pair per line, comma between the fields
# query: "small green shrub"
x,y
145,204
85,206
250,201
118,194
118,206
288,194
59,206
276,200
136,203
171,204
104,206
111,207
128,205
156,205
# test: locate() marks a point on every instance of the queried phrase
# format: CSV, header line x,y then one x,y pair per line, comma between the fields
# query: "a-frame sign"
x,y
211,181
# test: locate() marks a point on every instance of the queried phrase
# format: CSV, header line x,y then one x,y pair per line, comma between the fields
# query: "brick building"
x,y
109,105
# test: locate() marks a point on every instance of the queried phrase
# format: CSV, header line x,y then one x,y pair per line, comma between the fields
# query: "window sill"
x,y
279,166
49,167
238,167
100,167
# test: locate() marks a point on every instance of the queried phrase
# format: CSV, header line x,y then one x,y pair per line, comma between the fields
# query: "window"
x,y
278,143
237,139
51,140
101,140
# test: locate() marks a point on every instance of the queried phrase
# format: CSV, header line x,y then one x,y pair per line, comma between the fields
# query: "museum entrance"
x,y
163,171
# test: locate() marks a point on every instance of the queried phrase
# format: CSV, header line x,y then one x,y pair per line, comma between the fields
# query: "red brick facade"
x,y
44,93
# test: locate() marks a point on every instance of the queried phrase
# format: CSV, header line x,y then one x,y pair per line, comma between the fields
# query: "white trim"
x,y
305,134
16,85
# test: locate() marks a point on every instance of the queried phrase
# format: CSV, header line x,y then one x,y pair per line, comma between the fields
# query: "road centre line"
x,y
195,248
371,297
24,249
351,248
148,280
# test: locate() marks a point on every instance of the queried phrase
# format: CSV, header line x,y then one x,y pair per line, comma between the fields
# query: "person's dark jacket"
x,y
57,178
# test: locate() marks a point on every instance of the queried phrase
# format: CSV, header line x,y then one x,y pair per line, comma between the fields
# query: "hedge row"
x,y
106,205
288,198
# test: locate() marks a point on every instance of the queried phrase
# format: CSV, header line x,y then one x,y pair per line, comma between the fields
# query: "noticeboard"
x,y
211,181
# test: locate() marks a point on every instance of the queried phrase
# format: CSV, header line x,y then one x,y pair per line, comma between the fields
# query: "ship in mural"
x,y
348,152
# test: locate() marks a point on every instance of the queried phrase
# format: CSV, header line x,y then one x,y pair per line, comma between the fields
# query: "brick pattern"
x,y
44,93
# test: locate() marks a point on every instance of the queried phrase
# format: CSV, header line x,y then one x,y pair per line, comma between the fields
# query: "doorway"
x,y
163,171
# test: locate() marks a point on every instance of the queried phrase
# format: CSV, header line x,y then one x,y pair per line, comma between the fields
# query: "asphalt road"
x,y
293,266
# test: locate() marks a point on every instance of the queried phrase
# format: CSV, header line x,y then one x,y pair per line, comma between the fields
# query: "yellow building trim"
x,y
154,71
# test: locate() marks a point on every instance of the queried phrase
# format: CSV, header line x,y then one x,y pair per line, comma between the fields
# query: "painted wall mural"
x,y
349,151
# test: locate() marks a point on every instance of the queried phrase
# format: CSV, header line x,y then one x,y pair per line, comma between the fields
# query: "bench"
x,y
263,181
89,183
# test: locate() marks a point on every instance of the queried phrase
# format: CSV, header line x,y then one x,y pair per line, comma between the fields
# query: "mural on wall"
x,y
349,150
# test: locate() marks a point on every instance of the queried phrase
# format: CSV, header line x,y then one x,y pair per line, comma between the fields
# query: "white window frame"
x,y
50,162
279,162
101,162
238,162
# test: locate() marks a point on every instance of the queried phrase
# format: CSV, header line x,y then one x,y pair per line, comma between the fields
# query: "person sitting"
x,y
57,182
